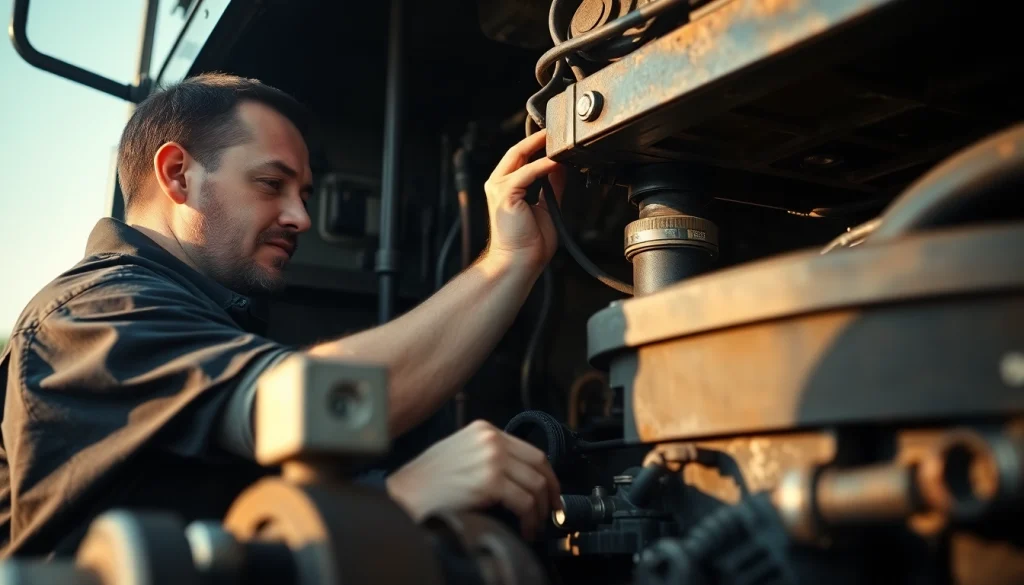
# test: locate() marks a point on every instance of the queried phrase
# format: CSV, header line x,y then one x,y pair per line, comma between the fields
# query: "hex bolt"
x,y
588,106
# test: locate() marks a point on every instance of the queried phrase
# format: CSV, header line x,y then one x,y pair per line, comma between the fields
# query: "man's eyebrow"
x,y
279,165
287,170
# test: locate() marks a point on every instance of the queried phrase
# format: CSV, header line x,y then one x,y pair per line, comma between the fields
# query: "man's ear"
x,y
170,165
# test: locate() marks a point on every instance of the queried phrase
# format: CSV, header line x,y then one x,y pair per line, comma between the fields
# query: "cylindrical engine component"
x,y
495,555
962,477
335,534
670,242
220,558
584,512
867,494
669,248
120,548
45,573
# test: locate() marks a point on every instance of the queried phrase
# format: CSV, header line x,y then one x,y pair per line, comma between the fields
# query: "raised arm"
x,y
434,348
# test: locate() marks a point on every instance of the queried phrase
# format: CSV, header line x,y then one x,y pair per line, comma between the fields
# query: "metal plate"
x,y
915,330
855,95
962,261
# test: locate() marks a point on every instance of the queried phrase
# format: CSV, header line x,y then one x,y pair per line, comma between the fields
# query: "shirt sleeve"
x,y
235,430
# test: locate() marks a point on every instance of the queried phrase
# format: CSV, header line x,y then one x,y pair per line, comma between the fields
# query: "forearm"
x,y
433,349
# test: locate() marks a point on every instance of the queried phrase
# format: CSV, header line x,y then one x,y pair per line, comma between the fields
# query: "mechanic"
x,y
130,379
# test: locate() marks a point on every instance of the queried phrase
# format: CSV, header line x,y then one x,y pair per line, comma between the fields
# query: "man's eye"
x,y
272,183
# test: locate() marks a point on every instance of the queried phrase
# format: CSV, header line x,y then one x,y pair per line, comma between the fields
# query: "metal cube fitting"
x,y
308,407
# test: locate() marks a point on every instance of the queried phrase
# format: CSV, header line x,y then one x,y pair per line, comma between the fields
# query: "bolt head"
x,y
588,106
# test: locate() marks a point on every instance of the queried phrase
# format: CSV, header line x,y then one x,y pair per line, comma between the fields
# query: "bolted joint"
x,y
588,106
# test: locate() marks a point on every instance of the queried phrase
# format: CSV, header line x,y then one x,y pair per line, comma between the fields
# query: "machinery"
x,y
814,207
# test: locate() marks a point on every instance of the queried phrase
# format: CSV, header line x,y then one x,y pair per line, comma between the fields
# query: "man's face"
x,y
250,211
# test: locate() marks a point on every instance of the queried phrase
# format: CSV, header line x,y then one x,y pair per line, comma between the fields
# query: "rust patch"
x,y
771,8
704,372
711,481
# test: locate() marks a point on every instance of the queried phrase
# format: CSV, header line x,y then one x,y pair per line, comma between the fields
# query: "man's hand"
x,y
478,467
520,232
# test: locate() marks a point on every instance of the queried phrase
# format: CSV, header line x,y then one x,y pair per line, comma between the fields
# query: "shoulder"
x,y
102,283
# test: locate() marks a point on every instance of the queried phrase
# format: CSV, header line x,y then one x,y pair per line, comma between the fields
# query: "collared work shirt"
x,y
116,376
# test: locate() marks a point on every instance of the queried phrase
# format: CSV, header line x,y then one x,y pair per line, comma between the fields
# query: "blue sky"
x,y
58,138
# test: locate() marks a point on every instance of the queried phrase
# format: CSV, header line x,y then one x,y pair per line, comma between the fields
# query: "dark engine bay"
x,y
782,341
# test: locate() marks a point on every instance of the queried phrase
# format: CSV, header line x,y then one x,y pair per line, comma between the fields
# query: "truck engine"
x,y
782,341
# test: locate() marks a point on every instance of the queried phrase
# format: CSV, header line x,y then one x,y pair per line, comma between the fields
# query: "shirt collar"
x,y
112,236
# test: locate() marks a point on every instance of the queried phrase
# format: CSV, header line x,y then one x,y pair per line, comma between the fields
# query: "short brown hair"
x,y
201,114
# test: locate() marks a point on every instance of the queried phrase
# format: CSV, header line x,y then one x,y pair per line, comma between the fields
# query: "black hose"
x,y
550,89
526,374
610,30
574,250
547,434
742,543
446,250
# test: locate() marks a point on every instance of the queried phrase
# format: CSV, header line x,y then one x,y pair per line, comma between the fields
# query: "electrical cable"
x,y
550,89
554,29
574,250
570,245
526,373
633,19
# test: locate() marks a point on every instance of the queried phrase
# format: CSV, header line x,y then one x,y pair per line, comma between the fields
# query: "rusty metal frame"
x,y
730,54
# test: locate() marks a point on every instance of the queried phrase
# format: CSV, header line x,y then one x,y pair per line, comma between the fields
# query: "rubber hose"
x,y
558,440
526,374
610,30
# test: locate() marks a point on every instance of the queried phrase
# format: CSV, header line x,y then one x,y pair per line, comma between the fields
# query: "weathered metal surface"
x,y
917,268
729,38
881,365
336,533
501,557
728,469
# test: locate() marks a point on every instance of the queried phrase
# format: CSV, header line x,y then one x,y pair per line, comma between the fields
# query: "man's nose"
x,y
295,216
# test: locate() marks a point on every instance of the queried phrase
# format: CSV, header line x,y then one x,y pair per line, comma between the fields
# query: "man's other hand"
x,y
522,233
478,467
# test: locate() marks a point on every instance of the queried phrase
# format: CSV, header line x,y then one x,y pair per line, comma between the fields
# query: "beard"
x,y
223,236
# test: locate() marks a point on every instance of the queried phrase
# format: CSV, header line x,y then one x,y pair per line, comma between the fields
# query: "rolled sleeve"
x,y
236,434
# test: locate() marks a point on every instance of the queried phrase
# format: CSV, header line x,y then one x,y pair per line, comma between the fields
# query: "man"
x,y
130,378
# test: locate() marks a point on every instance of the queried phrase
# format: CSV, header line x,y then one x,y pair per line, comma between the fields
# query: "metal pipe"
x,y
19,37
387,260
876,493
177,41
467,233
142,79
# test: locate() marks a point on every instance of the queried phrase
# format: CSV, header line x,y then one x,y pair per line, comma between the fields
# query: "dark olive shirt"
x,y
116,376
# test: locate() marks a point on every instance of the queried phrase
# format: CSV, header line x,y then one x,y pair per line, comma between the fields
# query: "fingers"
x,y
537,460
519,154
520,501
534,482
524,176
